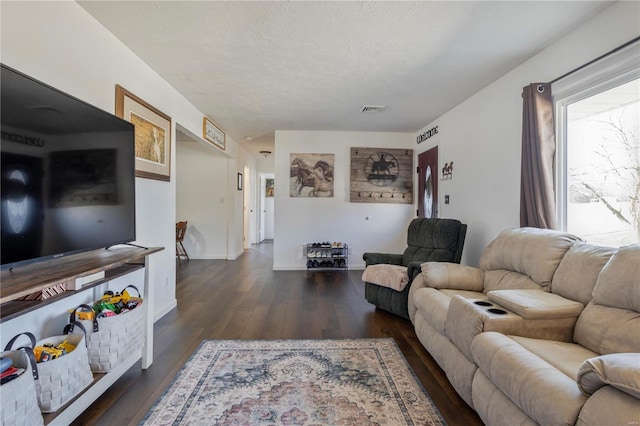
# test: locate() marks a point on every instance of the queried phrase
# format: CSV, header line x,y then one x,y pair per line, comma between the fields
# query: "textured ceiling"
x,y
256,67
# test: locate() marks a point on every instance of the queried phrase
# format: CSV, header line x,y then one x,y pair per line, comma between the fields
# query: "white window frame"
x,y
614,70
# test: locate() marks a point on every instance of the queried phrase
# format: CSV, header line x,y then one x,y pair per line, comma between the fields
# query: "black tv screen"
x,y
68,173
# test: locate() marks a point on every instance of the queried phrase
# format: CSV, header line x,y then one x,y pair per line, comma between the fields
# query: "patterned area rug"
x,y
295,382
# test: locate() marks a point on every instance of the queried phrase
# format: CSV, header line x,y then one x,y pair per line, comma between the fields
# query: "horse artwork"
x,y
382,171
311,175
381,175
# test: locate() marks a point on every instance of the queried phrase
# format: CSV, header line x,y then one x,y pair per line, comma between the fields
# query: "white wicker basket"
x,y
63,378
18,401
111,340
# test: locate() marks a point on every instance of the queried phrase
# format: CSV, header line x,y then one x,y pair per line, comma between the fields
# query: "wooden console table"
x,y
114,262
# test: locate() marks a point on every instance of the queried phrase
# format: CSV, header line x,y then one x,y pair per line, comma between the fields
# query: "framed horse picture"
x,y
311,175
152,135
381,175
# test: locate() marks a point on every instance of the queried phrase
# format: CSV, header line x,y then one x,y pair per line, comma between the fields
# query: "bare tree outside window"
x,y
603,163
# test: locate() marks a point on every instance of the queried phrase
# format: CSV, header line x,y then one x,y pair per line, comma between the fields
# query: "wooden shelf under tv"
x,y
15,308
27,279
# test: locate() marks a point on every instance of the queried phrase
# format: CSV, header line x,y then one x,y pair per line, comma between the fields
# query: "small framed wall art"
x,y
269,187
213,134
152,135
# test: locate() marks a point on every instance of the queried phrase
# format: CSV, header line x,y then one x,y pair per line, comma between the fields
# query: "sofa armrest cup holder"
x,y
490,307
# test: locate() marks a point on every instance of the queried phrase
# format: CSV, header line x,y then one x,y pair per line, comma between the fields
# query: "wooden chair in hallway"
x,y
181,229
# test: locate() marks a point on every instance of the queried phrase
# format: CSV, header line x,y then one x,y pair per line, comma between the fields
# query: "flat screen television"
x,y
68,173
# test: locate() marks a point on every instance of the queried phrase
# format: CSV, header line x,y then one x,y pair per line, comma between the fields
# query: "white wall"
x,y
306,220
265,164
201,199
61,44
482,135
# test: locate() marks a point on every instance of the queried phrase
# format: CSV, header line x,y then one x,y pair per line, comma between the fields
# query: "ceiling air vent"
x,y
372,108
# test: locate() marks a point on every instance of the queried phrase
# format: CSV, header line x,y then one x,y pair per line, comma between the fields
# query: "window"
x,y
598,150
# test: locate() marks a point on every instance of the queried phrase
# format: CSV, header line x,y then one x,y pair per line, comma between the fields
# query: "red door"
x,y
428,183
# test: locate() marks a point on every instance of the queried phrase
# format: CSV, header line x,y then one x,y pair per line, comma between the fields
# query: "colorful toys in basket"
x,y
7,371
48,351
114,303
109,305
114,328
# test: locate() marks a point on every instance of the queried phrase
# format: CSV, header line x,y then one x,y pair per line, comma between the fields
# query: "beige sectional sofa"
x,y
545,331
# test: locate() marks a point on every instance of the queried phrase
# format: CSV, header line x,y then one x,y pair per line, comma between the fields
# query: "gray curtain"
x,y
537,196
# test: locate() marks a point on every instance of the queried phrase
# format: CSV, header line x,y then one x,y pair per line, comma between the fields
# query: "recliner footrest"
x,y
387,299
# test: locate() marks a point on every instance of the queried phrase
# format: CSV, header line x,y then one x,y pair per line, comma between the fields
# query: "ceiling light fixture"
x,y
265,154
248,138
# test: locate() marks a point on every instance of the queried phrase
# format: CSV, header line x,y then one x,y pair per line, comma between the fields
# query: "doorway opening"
x,y
428,183
267,207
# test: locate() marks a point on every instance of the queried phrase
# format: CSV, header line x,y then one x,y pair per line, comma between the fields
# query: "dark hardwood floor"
x,y
245,299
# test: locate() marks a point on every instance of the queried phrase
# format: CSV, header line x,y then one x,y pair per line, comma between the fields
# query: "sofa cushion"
x,y
610,322
443,275
464,293
494,407
578,271
538,388
621,371
501,279
618,284
606,330
532,252
459,368
566,357
609,406
433,304
536,304
392,276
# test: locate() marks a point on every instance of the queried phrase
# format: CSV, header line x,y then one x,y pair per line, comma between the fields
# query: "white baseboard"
x,y
304,268
165,310
237,255
289,268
